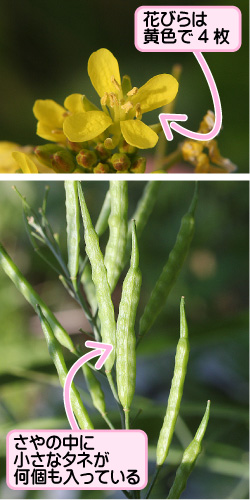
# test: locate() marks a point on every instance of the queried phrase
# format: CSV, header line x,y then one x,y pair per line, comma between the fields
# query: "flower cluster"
x,y
205,155
86,139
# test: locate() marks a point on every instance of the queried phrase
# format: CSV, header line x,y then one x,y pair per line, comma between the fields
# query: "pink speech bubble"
x,y
173,32
120,453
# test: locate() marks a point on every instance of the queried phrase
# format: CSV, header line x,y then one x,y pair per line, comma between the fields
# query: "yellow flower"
x,y
122,105
205,155
51,115
13,157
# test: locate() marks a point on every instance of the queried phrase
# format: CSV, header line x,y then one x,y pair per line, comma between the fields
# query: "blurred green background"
x,y
45,46
214,281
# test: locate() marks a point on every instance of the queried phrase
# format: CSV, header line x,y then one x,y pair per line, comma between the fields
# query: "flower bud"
x,y
75,146
138,166
101,168
102,152
86,159
63,161
45,153
120,162
124,147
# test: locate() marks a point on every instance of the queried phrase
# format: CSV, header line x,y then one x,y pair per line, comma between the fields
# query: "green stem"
x,y
172,159
126,412
155,476
108,422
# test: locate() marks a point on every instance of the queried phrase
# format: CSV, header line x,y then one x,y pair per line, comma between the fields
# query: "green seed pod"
x,y
138,166
120,162
125,331
56,355
170,271
33,298
176,391
95,389
142,213
86,159
189,458
73,228
102,221
118,226
100,228
99,277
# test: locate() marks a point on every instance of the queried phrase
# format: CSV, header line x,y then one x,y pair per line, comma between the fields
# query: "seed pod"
x,y
125,333
33,298
99,277
170,271
142,213
175,395
73,228
118,226
189,458
100,228
56,355
95,389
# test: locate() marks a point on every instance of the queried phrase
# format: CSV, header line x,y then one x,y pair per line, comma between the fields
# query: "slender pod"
x,y
73,228
118,227
56,355
125,334
142,212
170,271
99,277
176,391
33,298
100,228
102,221
189,458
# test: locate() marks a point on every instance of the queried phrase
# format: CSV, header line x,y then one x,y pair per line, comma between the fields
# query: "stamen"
x,y
104,99
115,83
113,100
138,113
133,91
127,106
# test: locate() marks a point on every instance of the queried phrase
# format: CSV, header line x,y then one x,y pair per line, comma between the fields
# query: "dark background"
x,y
214,281
45,46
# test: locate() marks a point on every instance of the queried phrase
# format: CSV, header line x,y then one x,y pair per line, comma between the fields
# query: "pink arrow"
x,y
165,117
100,349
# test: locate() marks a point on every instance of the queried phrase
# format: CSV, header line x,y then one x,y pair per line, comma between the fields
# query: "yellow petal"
x,y
74,103
7,163
157,92
82,127
137,134
77,103
102,66
46,132
49,113
25,163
